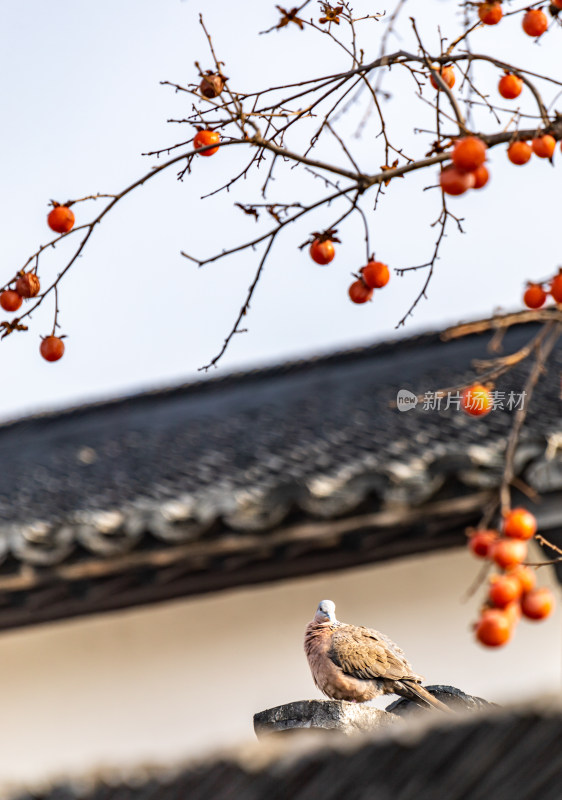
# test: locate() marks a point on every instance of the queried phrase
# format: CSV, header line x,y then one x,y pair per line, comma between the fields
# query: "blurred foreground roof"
x,y
506,756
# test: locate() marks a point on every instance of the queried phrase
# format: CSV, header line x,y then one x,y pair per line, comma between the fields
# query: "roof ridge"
x,y
243,376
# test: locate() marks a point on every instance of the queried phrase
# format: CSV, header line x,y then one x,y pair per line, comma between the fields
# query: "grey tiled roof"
x,y
210,463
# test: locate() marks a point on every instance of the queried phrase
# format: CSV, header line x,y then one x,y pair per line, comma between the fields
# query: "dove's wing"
x,y
366,654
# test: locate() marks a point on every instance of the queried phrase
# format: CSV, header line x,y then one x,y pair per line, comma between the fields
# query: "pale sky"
x,y
81,101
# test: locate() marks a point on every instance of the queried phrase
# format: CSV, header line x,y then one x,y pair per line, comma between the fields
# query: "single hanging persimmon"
x,y
211,85
10,300
481,543
509,552
556,288
205,138
322,251
534,296
61,219
544,146
519,152
525,575
481,176
375,274
556,3
494,628
490,13
447,74
454,181
359,292
28,285
476,400
504,589
519,524
535,22
52,348
538,603
469,153
513,612
510,86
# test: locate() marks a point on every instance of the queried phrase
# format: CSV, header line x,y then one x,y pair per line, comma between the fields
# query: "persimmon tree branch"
x,y
262,120
543,345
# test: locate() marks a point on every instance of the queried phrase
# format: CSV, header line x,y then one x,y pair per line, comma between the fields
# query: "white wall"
x,y
180,679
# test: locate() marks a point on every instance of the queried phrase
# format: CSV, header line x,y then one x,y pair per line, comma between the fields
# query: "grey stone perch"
x,y
339,715
450,695
351,718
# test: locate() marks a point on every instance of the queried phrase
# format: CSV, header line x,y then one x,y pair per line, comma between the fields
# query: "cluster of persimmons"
x,y
469,154
534,22
536,295
374,275
468,170
512,590
61,220
27,284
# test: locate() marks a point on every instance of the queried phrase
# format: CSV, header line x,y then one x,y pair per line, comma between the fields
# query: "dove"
x,y
350,662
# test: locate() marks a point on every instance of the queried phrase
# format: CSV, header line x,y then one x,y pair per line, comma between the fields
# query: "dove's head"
x,y
326,612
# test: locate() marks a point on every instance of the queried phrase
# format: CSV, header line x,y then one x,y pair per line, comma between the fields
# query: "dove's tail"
x,y
417,693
